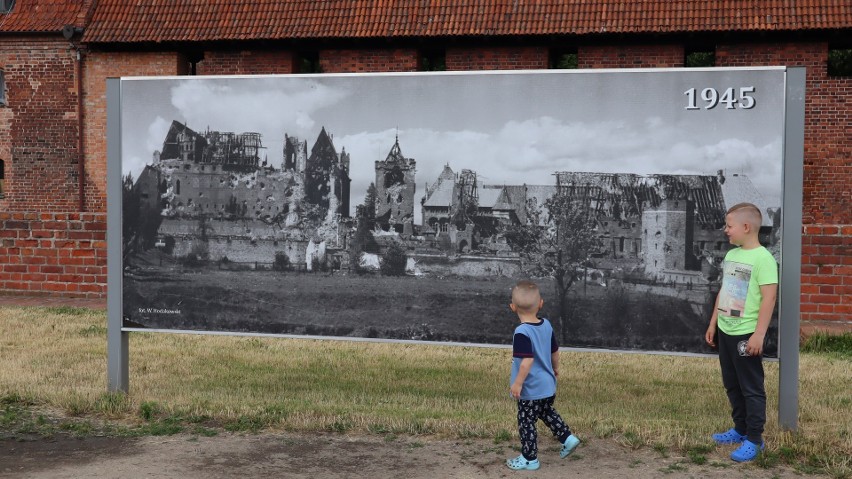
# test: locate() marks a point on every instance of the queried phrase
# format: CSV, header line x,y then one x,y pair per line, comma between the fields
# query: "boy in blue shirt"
x,y
743,310
535,362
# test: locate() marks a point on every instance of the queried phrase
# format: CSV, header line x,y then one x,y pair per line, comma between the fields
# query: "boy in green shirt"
x,y
742,313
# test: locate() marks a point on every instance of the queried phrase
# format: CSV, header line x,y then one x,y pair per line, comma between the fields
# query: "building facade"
x,y
56,55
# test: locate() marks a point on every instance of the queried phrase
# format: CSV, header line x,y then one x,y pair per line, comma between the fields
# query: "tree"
x,y
559,247
368,209
363,241
140,218
130,213
394,261
282,261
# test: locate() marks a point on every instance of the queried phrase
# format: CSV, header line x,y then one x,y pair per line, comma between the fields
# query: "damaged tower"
x,y
327,176
395,191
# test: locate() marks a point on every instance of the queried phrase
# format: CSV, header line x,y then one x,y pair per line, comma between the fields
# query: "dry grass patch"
x,y
56,359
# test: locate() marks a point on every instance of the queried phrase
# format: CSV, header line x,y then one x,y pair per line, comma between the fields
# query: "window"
x,y
6,5
307,62
839,62
2,177
193,58
562,59
433,61
699,57
2,84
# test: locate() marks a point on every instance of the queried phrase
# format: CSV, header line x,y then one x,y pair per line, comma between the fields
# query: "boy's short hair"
x,y
748,213
526,296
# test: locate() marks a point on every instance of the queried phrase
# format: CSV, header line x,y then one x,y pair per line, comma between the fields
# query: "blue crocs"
x,y
569,445
747,451
521,462
731,436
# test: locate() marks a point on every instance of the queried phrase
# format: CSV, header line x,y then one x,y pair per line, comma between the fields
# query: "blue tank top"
x,y
540,383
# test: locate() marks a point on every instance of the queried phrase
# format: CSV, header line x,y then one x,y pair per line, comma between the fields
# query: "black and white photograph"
x,y
406,206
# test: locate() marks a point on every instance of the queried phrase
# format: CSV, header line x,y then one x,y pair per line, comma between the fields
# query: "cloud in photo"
x,y
271,109
531,151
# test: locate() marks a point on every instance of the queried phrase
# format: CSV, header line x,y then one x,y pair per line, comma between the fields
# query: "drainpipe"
x,y
69,31
81,154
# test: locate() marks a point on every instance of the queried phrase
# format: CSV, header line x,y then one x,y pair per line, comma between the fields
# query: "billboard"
x,y
403,207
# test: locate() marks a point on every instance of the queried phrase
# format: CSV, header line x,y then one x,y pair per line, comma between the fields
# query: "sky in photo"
x,y
509,127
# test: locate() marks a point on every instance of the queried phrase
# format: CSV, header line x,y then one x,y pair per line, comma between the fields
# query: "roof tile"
x,y
205,20
42,16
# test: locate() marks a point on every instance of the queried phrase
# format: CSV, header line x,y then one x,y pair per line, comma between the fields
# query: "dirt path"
x,y
339,456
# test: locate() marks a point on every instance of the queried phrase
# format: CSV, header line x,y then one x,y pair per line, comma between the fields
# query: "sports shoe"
x,y
747,451
569,445
731,436
521,462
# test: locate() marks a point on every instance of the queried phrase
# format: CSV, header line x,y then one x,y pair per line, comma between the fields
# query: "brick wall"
x,y
53,253
827,212
46,244
630,56
38,125
98,66
826,278
496,58
242,62
368,60
827,262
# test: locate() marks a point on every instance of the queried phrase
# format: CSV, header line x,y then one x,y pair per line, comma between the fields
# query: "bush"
x,y
393,264
192,259
198,254
282,261
317,265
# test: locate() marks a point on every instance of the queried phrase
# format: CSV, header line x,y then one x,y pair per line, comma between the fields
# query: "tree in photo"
x,y
557,241
130,224
368,208
394,261
282,261
141,206
362,240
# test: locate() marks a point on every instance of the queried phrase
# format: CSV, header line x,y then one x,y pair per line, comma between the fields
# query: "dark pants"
x,y
743,379
530,411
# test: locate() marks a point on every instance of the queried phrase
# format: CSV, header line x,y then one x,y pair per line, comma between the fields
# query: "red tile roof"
x,y
44,16
200,20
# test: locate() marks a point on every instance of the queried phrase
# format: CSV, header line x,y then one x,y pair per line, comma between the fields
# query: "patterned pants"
x,y
530,411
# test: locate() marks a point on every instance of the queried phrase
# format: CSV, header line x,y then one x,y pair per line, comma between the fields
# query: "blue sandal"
x,y
731,436
521,462
747,451
569,445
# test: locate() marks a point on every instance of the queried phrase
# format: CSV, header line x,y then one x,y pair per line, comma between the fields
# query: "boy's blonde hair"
x,y
747,213
526,296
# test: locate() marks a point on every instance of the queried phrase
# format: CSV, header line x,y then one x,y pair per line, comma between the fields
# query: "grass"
x,y
835,345
53,380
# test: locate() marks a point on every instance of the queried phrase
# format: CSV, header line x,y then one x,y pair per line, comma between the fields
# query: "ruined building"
x,y
327,176
228,150
463,214
395,189
667,235
219,174
217,180
667,225
295,154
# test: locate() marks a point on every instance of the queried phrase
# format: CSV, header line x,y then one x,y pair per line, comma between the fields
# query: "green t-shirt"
x,y
743,273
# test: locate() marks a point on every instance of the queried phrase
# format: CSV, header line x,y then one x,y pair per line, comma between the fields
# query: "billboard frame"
x,y
789,276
